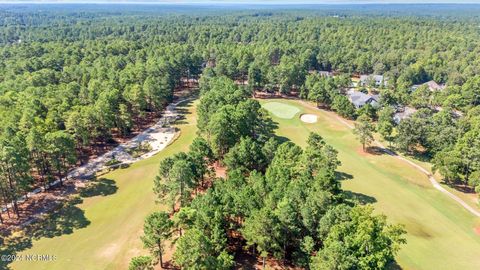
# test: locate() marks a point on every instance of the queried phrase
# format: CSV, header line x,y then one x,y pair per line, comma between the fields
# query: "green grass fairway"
x,y
281,110
116,221
440,232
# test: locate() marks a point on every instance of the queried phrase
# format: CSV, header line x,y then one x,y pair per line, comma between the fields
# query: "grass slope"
x,y
440,233
116,221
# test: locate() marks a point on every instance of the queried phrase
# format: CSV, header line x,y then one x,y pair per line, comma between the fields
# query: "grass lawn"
x,y
440,233
281,110
112,236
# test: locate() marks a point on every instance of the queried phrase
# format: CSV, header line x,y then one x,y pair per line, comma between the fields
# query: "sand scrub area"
x,y
154,139
309,118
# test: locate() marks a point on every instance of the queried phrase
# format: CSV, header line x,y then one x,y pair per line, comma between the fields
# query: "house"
x,y
360,99
432,85
325,73
378,79
403,113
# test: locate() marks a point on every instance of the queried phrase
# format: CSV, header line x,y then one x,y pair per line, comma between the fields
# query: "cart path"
x,y
432,179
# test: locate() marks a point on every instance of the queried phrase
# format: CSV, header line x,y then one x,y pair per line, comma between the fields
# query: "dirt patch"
x,y
35,205
110,251
309,118
220,171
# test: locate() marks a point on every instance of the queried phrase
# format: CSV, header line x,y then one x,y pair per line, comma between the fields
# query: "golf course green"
x,y
112,236
437,227
281,110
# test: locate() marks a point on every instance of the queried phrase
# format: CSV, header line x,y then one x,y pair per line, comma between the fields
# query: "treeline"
x,y
61,101
278,200
84,78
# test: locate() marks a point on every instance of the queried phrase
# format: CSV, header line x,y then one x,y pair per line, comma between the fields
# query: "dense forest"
x,y
277,199
73,82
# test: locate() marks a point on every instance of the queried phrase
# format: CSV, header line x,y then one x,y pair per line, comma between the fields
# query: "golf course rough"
x,y
281,110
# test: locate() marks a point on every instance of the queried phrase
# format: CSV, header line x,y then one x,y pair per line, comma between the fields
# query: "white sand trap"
x,y
309,118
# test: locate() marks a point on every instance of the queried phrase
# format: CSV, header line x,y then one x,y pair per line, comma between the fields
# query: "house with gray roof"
x,y
403,113
432,85
325,73
378,79
360,99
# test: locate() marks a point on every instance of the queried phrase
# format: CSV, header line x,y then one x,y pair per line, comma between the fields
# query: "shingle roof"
x,y
378,79
359,99
432,85
405,113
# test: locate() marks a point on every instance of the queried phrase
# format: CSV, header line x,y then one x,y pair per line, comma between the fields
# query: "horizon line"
x,y
246,2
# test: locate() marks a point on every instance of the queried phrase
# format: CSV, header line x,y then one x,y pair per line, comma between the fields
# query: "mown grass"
x,y
281,110
112,235
440,233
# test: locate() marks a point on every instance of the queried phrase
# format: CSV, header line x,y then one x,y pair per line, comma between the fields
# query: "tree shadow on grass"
x,y
341,176
375,150
100,187
64,218
182,111
9,248
358,198
393,266
282,139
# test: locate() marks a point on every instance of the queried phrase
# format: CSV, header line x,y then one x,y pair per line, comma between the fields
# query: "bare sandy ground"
x,y
309,118
157,136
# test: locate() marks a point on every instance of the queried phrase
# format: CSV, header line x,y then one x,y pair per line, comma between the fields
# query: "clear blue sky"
x,y
246,1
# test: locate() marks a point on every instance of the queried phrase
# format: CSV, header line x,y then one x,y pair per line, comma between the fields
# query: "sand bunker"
x,y
309,118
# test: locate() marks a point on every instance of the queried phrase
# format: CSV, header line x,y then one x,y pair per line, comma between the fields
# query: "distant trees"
x,y
98,82
412,132
68,89
76,96
461,163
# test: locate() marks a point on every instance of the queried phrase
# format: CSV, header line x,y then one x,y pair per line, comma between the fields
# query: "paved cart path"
x,y
432,179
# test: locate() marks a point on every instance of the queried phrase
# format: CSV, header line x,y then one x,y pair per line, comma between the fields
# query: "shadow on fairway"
x,y
375,150
100,187
358,197
341,176
394,266
63,219
182,110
